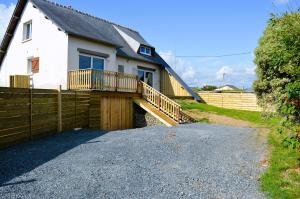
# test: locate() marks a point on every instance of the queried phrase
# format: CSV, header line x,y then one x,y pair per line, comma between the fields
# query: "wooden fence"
x,y
32,113
240,101
27,114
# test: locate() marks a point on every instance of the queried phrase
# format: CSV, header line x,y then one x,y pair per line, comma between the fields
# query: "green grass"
x,y
250,116
281,180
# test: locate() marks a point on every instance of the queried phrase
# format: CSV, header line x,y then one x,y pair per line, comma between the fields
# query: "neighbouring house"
x,y
58,45
227,88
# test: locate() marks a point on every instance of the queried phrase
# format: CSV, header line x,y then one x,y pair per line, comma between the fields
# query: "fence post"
x,y
59,110
30,109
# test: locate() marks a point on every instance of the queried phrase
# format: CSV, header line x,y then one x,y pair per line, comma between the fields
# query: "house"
x,y
54,43
227,88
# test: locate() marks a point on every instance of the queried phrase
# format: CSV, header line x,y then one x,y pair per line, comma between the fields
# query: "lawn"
x,y
282,178
250,116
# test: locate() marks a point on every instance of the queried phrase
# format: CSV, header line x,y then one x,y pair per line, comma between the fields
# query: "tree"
x,y
208,88
278,67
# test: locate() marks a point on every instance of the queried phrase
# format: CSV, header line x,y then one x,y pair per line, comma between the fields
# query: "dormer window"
x,y
145,50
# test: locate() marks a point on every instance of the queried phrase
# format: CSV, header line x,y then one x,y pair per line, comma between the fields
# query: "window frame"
x,y
25,28
147,71
145,52
92,61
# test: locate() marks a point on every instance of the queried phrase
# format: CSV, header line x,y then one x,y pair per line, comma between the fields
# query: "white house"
x,y
46,40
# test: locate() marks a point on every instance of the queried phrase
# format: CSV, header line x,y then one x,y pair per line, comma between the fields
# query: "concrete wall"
x,y
48,43
73,54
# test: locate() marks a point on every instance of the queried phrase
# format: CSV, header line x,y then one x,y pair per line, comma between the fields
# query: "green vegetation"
x,y
250,116
278,70
282,178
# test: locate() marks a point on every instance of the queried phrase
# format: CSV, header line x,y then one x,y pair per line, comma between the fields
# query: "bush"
x,y
278,69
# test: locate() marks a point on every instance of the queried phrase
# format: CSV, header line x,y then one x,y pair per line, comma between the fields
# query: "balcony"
x,y
91,79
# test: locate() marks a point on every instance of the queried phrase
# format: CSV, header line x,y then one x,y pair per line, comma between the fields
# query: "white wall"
x,y
131,67
73,54
48,43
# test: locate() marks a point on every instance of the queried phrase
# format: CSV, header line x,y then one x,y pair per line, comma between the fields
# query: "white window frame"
x,y
147,71
145,52
92,60
24,39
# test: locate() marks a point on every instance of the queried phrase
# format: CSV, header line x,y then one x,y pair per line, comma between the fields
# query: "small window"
x,y
121,69
88,61
27,31
145,50
29,66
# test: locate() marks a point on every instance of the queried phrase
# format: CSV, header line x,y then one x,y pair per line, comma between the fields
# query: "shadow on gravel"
x,y
23,158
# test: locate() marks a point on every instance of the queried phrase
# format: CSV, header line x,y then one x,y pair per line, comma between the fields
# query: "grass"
x,y
250,116
282,178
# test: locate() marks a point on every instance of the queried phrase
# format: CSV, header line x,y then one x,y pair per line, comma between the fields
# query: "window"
x,y
29,66
145,50
27,31
146,76
121,69
88,61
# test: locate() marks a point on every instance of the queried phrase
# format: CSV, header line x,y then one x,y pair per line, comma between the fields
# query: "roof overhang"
x,y
11,29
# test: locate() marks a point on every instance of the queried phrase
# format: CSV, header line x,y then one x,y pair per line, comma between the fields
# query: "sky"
x,y
190,34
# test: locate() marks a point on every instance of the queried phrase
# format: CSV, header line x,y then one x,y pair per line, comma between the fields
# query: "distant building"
x,y
227,88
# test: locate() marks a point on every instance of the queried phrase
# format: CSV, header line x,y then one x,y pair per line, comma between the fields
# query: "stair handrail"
x,y
161,102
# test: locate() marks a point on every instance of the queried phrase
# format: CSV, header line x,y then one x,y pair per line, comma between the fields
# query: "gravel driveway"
x,y
189,161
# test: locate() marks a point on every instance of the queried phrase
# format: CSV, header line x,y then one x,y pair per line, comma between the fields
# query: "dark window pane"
x,y
149,78
121,69
84,62
98,64
141,75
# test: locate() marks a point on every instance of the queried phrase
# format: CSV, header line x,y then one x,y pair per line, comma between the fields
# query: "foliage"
x,y
208,88
282,178
278,69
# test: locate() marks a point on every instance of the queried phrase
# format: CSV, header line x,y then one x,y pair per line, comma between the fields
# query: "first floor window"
x,y
88,61
121,69
29,66
146,76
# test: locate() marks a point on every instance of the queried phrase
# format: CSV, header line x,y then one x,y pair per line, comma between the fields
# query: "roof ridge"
x,y
87,14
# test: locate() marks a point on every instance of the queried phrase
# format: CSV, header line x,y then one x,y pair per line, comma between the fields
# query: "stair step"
x,y
155,112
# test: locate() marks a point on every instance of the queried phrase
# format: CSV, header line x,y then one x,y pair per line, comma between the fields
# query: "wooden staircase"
x,y
161,107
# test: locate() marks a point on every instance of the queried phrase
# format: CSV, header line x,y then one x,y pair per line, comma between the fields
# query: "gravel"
x,y
188,161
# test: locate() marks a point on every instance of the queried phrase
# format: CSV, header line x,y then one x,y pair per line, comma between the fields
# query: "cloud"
x,y
5,15
186,70
209,71
222,72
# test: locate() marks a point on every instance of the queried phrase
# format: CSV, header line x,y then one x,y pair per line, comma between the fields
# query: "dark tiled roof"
x,y
83,25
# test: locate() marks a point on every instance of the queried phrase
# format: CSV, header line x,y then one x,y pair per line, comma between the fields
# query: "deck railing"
x,y
161,102
91,79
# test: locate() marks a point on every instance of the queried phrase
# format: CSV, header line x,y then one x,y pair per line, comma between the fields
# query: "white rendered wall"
x,y
73,54
48,43
131,67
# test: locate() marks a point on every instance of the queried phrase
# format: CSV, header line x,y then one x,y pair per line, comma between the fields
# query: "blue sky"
x,y
190,27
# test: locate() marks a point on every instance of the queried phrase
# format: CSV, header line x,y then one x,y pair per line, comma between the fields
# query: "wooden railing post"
x,y
59,110
117,81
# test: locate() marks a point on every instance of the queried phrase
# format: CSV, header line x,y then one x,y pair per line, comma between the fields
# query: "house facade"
x,y
47,41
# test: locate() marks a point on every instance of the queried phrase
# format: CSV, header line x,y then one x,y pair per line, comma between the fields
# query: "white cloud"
x,y
184,68
224,71
5,15
250,70
201,71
